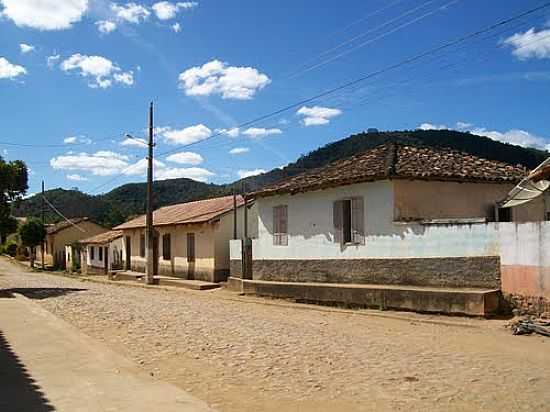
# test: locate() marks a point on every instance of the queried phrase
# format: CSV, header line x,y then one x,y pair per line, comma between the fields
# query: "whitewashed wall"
x,y
114,247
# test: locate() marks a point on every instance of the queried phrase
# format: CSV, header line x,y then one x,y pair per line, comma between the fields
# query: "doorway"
x,y
128,263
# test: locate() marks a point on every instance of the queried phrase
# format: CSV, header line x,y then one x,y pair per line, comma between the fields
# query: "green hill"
x,y
129,200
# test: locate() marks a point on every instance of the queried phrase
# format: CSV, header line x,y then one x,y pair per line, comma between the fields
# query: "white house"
x,y
396,215
103,253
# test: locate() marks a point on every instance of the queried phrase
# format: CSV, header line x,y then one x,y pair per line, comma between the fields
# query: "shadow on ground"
x,y
18,390
38,293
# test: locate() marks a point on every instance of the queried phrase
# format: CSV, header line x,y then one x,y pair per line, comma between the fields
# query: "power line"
x,y
62,215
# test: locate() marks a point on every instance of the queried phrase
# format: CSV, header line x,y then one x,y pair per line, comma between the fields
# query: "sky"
x,y
77,76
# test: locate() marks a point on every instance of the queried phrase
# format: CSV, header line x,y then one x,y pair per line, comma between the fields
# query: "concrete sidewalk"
x,y
48,365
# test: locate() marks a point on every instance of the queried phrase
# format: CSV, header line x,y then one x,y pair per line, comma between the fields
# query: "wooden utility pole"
x,y
43,224
234,214
150,230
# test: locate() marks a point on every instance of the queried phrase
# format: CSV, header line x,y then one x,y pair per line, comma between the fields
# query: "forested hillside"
x,y
128,200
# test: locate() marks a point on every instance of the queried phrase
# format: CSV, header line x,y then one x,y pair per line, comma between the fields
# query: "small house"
x,y
102,254
191,239
64,233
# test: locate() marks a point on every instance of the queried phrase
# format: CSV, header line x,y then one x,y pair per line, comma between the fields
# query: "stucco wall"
x,y
416,199
114,247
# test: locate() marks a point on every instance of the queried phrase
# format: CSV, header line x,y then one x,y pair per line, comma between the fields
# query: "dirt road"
x,y
244,356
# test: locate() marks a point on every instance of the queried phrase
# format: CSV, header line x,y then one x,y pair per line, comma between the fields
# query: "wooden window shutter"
x,y
338,221
358,220
283,225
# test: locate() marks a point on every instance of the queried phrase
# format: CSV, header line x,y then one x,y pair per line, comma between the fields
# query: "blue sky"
x,y
77,75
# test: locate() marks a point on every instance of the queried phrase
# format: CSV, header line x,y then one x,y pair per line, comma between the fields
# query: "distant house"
x,y
192,239
103,253
65,233
394,215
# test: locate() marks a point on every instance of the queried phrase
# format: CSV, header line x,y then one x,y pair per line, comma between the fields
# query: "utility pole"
x,y
43,224
150,230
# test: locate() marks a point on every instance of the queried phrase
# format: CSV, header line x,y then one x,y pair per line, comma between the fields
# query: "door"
x,y
128,253
190,256
156,254
106,254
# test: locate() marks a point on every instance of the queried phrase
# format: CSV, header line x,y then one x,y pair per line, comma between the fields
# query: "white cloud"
x,y
176,27
101,163
131,12
233,132
134,142
26,48
431,126
259,132
215,77
317,115
166,10
248,173
531,44
77,140
106,26
514,136
463,125
52,60
77,178
239,150
102,70
162,172
44,14
186,158
188,135
9,70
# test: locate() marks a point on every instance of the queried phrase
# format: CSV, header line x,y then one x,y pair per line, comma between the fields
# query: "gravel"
x,y
240,355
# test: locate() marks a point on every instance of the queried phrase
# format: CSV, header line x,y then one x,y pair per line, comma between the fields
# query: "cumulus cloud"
x,y
259,132
77,178
531,44
102,70
131,12
166,10
317,115
101,163
248,173
176,27
52,60
77,140
517,137
44,14
134,142
233,132
186,158
106,26
163,172
188,135
9,70
26,48
216,77
239,150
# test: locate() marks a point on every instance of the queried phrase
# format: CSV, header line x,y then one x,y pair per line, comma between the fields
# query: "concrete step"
x,y
186,283
452,301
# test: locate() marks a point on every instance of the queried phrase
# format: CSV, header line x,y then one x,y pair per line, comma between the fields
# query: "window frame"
x,y
142,245
92,252
280,237
191,251
166,238
100,253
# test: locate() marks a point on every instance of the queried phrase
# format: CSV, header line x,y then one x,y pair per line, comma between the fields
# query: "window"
x,y
100,253
280,225
349,225
166,246
190,247
505,214
142,245
92,252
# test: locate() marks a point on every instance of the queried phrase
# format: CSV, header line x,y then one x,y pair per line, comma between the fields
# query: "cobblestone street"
x,y
241,355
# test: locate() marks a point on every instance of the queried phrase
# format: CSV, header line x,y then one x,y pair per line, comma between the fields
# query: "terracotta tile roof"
x,y
185,213
103,237
57,227
400,161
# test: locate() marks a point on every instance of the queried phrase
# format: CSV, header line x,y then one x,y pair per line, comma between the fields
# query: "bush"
x,y
9,248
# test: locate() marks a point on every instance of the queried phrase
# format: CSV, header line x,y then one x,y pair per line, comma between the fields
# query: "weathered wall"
x,y
414,200
113,248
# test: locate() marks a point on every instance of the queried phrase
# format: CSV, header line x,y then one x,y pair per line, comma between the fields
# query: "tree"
x,y
32,234
13,185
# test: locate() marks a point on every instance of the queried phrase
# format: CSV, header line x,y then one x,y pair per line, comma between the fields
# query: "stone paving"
x,y
239,355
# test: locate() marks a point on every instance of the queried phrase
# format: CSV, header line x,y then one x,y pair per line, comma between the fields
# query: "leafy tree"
x,y
13,185
32,234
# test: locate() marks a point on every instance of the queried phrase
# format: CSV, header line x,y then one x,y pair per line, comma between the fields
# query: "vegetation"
x,y
129,200
13,185
32,234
